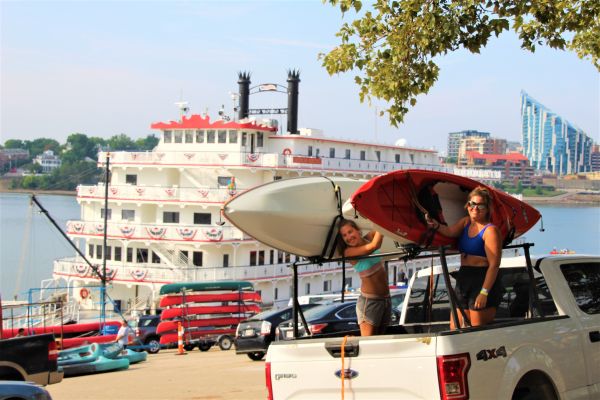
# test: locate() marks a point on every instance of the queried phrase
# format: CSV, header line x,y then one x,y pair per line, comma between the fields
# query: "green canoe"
x,y
174,288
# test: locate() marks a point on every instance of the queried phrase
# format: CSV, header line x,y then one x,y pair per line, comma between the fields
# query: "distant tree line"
x,y
79,157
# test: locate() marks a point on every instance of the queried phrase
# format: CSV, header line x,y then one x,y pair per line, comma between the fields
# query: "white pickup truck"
x,y
544,344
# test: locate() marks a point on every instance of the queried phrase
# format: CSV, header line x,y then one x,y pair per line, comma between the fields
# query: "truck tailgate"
x,y
388,367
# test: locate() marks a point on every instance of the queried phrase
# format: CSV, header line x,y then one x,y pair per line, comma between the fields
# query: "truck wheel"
x,y
188,347
256,356
152,346
535,385
225,342
204,346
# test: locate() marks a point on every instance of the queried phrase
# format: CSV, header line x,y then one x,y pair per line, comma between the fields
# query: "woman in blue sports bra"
x,y
374,306
477,290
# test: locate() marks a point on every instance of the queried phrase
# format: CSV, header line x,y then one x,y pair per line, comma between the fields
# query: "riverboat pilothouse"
x,y
164,223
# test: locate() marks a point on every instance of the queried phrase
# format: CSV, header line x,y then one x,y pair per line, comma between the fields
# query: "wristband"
x,y
484,292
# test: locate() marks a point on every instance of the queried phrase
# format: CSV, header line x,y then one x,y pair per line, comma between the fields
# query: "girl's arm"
x,y
493,252
368,248
453,231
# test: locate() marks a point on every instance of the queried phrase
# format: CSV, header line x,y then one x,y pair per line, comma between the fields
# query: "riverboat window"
x,y
318,153
189,136
244,138
202,218
108,252
233,136
279,257
141,256
276,294
225,260
332,152
99,251
128,215
348,283
131,179
184,256
327,285
222,136
197,258
378,155
170,217
167,137
178,136
310,151
130,255
259,139
277,178
271,256
307,288
363,155
91,250
253,258
412,158
584,282
108,214
347,155
224,181
210,136
155,258
118,253
397,158
199,136
261,257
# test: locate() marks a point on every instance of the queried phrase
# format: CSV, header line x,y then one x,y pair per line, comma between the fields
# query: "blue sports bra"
x,y
472,245
366,263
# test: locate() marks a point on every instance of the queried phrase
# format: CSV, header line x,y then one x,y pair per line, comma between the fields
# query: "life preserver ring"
x,y
287,152
84,293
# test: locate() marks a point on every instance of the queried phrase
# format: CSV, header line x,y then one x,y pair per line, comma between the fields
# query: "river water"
x,y
30,255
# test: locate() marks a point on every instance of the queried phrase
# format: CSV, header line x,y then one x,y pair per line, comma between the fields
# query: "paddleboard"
x,y
392,202
201,310
171,300
167,326
174,288
295,215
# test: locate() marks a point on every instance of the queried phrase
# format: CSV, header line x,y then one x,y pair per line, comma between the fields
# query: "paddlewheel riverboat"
x,y
163,215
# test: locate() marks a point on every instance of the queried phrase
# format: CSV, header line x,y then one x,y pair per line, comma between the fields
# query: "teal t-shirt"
x,y
366,263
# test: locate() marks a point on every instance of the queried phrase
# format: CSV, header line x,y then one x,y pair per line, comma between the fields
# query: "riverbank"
x,y
5,188
589,199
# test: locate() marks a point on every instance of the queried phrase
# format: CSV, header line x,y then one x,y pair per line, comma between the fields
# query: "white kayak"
x,y
296,215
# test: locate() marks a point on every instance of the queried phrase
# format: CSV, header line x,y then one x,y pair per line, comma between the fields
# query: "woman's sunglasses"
x,y
479,206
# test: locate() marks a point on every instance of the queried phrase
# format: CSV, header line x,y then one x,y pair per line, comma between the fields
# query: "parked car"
x,y
13,390
254,335
145,333
326,318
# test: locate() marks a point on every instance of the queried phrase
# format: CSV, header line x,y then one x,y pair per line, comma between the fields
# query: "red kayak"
x,y
166,326
68,330
172,337
80,341
172,300
397,202
199,310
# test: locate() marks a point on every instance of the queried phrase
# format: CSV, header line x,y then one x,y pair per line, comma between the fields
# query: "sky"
x,y
111,67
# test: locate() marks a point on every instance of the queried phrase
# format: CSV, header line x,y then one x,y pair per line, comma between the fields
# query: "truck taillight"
x,y
52,351
268,381
452,376
265,328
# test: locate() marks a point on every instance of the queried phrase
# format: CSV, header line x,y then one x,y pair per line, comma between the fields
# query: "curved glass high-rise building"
x,y
552,143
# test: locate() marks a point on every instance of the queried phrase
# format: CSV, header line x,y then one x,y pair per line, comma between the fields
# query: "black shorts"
x,y
469,281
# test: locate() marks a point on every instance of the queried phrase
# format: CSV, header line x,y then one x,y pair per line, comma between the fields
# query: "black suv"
x,y
145,333
254,335
327,318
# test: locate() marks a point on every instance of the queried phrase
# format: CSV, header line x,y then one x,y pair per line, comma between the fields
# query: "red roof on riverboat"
x,y
197,122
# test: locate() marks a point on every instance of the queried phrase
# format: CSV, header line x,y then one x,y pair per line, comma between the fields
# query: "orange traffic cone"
x,y
180,350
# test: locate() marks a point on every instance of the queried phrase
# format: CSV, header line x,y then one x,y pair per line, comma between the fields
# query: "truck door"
x,y
584,281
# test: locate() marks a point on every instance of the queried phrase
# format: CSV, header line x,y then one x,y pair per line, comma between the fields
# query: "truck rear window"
x,y
515,299
584,282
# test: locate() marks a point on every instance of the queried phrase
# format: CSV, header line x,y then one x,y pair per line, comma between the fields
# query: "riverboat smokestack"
x,y
244,89
293,83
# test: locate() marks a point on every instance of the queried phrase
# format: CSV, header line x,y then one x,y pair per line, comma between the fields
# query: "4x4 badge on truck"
x,y
348,373
491,353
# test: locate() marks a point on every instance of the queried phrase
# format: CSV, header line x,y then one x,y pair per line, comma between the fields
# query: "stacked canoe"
x,y
73,335
95,358
205,309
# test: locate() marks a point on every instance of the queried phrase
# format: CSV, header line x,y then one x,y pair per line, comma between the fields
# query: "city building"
x,y
480,144
48,161
454,139
552,143
514,167
12,156
595,158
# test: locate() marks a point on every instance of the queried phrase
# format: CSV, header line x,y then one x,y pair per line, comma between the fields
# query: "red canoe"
x,y
394,203
172,300
172,337
200,310
68,330
166,326
80,341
